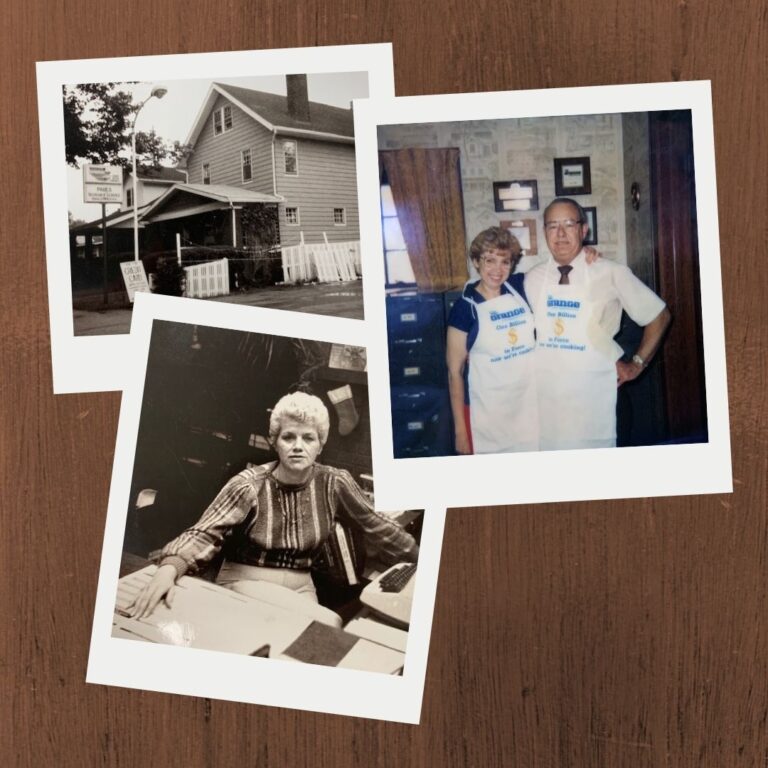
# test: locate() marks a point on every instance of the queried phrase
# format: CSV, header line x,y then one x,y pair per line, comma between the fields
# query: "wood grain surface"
x,y
622,633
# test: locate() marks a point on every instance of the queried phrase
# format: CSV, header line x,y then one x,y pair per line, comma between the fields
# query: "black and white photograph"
x,y
496,348
241,190
250,524
226,188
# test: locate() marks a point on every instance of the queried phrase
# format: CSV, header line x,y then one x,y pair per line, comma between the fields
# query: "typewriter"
x,y
390,595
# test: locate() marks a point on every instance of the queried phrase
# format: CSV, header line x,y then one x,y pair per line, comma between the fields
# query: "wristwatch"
x,y
637,360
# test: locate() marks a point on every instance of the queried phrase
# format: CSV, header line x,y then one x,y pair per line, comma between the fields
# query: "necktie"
x,y
564,275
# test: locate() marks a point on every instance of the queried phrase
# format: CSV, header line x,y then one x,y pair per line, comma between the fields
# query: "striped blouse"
x,y
257,520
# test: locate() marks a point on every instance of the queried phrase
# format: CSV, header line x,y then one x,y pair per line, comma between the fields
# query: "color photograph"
x,y
510,329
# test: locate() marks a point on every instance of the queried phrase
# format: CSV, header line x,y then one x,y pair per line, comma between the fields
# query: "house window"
x,y
291,158
206,173
129,198
339,217
292,216
397,263
245,164
222,120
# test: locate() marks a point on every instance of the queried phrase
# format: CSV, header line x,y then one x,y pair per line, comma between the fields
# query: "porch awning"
x,y
122,219
184,200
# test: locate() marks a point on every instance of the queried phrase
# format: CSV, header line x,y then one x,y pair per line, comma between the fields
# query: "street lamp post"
x,y
158,93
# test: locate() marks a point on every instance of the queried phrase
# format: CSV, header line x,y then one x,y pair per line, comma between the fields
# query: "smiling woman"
x,y
490,338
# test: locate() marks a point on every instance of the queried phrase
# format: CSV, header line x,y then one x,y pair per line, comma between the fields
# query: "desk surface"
x,y
206,616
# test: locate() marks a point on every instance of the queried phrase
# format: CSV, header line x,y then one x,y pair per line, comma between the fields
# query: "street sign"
x,y
102,183
134,277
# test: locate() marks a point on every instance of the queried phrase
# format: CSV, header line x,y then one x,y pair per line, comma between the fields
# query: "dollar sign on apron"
x,y
576,381
501,378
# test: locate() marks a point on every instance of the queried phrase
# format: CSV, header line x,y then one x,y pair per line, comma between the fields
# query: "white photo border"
x,y
459,481
217,675
98,363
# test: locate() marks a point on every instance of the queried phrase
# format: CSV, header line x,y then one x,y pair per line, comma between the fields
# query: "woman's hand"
x,y
592,254
161,587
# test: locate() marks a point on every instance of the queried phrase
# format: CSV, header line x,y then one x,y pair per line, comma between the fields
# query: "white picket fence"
x,y
206,280
326,262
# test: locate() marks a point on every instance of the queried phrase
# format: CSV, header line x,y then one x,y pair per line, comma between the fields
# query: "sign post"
x,y
104,249
103,184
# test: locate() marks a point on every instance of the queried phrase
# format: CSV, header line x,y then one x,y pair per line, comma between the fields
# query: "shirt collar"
x,y
579,261
471,292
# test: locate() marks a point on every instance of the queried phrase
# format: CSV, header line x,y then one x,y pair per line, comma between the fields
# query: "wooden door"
x,y
673,198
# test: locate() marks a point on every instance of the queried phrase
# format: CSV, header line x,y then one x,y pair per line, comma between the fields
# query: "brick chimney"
x,y
298,101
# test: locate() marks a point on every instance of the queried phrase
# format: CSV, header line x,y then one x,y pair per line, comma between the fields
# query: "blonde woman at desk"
x,y
272,520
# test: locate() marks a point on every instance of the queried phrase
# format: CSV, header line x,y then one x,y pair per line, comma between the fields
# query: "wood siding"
x,y
222,152
326,180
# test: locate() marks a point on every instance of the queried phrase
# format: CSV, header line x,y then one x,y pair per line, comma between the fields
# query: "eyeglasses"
x,y
568,224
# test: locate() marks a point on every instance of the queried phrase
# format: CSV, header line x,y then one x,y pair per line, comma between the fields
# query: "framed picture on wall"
x,y
525,231
591,213
572,176
516,195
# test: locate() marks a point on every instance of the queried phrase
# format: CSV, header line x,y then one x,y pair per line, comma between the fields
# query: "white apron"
x,y
576,381
502,385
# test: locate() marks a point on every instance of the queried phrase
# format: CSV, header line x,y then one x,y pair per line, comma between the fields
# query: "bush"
x,y
170,277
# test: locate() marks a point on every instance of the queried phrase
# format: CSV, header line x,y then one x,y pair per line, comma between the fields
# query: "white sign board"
x,y
102,183
134,277
573,176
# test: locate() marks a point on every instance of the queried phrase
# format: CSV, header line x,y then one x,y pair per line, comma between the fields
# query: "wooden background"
x,y
627,633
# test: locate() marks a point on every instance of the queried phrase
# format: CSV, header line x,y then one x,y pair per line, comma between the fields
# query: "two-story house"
x,y
252,149
252,156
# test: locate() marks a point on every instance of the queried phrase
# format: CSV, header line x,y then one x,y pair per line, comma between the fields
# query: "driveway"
x,y
335,299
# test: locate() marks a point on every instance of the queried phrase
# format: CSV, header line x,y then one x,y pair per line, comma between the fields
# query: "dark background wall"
x,y
625,633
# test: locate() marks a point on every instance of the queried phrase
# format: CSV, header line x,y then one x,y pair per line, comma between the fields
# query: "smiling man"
x,y
577,310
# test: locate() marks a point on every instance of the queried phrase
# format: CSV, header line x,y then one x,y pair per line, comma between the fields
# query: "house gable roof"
x,y
221,194
271,110
115,219
161,173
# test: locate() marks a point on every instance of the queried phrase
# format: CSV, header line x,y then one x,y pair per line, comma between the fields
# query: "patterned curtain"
x,y
426,188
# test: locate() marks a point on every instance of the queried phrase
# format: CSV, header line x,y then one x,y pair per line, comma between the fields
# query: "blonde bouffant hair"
x,y
307,409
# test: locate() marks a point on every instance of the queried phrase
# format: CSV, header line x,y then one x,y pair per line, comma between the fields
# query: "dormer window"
x,y
291,158
222,120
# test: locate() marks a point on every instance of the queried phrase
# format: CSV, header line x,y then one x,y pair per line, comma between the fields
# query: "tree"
x,y
73,222
98,118
152,149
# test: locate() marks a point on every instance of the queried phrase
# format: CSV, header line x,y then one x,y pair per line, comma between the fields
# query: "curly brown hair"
x,y
495,238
